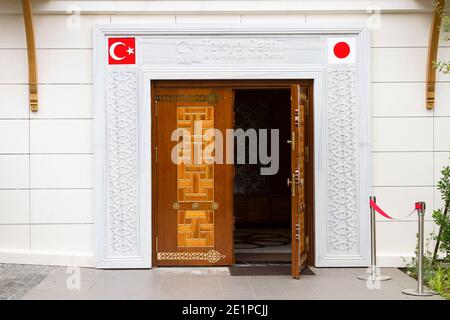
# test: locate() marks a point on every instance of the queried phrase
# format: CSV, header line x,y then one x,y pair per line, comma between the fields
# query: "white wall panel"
x,y
62,171
64,65
14,136
441,159
64,101
399,238
12,31
403,169
61,136
14,237
14,171
62,206
399,64
14,101
442,102
14,66
402,134
442,134
67,31
71,238
14,206
10,6
399,100
402,30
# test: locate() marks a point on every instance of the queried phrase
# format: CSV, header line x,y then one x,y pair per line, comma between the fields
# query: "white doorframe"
x,y
123,131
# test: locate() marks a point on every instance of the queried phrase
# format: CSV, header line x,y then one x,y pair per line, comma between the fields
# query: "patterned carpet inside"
x,y
262,240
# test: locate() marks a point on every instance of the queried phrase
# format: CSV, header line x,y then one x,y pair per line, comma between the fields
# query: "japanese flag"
x,y
341,50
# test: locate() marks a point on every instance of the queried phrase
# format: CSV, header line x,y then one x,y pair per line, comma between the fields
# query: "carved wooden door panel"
x,y
194,195
299,102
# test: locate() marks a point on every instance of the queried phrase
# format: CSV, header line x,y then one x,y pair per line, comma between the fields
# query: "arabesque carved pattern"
x,y
122,164
343,226
212,256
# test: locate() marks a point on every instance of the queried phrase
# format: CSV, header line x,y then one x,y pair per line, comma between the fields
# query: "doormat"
x,y
260,270
263,257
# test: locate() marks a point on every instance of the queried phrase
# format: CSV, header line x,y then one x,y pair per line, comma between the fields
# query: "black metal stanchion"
x,y
420,291
372,275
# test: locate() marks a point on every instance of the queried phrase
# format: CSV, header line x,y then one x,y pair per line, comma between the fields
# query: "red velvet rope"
x,y
379,210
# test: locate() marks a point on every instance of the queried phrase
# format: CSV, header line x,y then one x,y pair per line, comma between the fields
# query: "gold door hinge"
x,y
307,108
297,231
156,154
307,243
156,245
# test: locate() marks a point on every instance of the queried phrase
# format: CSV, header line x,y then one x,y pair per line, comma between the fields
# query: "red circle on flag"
x,y
341,50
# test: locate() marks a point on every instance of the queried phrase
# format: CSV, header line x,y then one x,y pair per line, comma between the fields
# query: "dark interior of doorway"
x,y
262,203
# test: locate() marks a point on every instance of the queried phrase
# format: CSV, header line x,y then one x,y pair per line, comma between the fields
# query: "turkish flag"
x,y
121,50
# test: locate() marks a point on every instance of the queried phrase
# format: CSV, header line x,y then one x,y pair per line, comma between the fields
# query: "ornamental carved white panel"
x,y
342,219
122,178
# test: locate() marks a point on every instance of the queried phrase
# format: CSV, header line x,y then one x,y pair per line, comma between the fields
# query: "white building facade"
x,y
56,185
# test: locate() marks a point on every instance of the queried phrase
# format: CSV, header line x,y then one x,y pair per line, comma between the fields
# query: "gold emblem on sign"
x,y
212,256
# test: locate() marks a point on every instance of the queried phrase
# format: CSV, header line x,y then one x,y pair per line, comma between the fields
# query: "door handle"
x,y
291,183
292,141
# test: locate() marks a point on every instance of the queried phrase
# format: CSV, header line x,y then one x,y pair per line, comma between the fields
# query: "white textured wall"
x,y
410,144
46,158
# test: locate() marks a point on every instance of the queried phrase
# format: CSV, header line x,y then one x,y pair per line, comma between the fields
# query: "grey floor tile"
x,y
17,279
198,283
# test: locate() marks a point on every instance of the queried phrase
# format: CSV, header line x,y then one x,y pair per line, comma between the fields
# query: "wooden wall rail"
x,y
31,49
432,53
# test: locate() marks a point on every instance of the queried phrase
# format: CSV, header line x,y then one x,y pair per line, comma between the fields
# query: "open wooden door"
x,y
194,195
297,180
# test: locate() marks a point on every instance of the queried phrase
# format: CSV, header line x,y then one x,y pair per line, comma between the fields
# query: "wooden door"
x,y
297,180
194,195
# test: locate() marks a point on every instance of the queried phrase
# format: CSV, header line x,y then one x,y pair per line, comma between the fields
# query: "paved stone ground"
x,y
216,283
17,279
